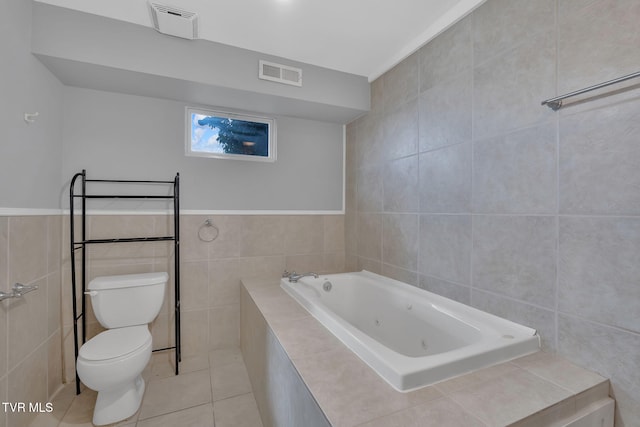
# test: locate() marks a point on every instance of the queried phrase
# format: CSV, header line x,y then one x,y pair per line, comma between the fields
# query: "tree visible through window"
x,y
217,134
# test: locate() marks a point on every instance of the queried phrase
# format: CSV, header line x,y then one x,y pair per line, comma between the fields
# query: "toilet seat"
x,y
111,363
115,343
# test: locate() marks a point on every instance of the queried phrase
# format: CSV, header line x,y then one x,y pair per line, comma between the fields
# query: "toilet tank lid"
x,y
127,281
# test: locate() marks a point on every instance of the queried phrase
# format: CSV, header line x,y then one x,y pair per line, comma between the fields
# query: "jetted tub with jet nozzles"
x,y
410,337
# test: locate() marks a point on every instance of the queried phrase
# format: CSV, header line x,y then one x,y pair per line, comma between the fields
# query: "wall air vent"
x,y
280,73
173,21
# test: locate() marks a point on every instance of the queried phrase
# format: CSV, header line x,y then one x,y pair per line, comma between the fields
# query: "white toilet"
x,y
112,362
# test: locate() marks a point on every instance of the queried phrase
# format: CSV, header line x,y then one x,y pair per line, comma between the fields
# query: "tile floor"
x,y
211,390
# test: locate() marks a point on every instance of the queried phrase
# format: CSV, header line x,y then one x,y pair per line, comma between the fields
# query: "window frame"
x,y
271,145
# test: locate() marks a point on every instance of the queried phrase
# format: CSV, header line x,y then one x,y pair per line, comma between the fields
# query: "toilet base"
x,y
118,404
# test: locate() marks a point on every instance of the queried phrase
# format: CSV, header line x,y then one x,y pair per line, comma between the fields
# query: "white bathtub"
x,y
410,337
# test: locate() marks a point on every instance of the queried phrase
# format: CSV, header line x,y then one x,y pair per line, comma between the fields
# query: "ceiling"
x,y
362,37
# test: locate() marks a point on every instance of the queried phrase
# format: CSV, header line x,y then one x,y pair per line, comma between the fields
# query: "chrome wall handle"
x,y
17,291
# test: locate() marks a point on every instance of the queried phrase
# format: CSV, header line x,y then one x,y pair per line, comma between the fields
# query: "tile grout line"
x,y
557,129
473,150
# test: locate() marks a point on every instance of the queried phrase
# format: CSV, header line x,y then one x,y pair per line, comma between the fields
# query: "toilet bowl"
x,y
112,362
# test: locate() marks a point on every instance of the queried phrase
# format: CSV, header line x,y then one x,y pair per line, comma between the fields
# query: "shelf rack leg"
x,y
176,258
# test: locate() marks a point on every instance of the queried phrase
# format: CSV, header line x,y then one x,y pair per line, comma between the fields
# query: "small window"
x,y
229,135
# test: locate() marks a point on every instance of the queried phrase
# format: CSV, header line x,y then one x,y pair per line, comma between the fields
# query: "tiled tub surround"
x,y
460,182
310,369
247,245
410,337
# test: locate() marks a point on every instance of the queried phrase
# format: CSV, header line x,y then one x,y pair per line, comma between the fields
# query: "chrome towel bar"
x,y
17,291
556,103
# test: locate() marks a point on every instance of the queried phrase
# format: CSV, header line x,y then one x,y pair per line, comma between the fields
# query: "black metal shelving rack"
x,y
83,242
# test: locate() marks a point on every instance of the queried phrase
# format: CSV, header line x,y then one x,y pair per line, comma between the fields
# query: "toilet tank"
x,y
127,300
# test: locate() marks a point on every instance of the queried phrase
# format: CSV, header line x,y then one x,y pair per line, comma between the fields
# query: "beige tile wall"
x,y
460,182
30,332
282,397
246,246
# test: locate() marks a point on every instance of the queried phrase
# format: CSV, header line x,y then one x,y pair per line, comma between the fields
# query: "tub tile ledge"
x,y
539,389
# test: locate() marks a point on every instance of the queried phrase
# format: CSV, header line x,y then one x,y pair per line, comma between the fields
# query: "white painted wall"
x,y
30,154
116,136
92,51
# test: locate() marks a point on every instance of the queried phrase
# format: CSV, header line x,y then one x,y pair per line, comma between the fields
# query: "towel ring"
x,y
208,232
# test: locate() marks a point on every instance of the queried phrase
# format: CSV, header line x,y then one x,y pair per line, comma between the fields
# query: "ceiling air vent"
x,y
280,73
174,22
